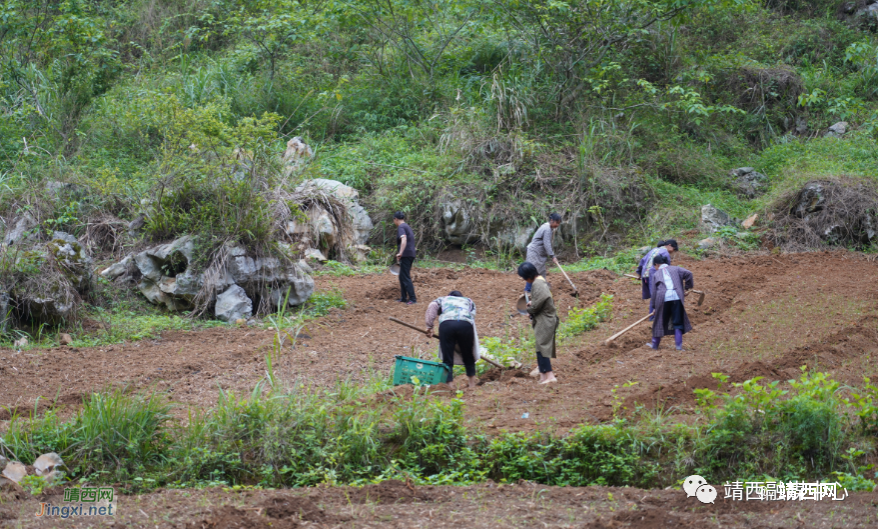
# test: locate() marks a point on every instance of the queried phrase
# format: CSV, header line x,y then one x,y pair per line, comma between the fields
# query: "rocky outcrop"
x,y
23,228
517,237
74,261
712,219
458,222
261,275
326,229
811,199
167,277
50,278
749,182
862,14
240,280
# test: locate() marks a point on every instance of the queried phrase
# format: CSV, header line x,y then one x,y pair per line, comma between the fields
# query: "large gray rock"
x,y
296,155
233,304
118,269
517,237
24,228
811,200
74,261
167,277
749,182
838,130
360,224
458,222
712,219
281,276
325,231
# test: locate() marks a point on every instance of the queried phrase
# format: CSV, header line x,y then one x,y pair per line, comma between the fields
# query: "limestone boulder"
x,y
167,279
459,222
23,228
233,304
281,278
74,261
811,199
708,243
712,218
749,182
359,223
296,155
517,237
838,130
119,269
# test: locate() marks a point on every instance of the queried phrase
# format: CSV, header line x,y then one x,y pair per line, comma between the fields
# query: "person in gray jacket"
x,y
539,251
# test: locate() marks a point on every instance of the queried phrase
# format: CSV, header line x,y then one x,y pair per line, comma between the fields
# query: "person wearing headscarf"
x,y
539,251
458,339
541,309
668,286
645,270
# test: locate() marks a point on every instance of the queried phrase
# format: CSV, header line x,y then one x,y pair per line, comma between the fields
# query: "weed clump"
x,y
840,212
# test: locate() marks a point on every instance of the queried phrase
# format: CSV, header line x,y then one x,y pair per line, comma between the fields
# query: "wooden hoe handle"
x,y
423,331
609,340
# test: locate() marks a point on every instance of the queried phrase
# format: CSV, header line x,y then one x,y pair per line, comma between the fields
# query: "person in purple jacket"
x,y
668,286
645,269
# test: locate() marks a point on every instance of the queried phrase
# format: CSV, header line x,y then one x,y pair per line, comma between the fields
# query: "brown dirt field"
x,y
762,316
399,505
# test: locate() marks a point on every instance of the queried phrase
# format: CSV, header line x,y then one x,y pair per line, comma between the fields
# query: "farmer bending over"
x,y
645,269
540,248
545,320
668,288
457,330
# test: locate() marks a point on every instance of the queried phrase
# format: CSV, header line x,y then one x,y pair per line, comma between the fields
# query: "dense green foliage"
x,y
602,110
308,437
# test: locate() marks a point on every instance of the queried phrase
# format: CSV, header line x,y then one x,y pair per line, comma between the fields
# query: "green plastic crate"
x,y
427,373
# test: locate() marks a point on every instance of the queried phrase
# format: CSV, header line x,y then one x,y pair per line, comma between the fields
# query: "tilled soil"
x,y
396,504
762,316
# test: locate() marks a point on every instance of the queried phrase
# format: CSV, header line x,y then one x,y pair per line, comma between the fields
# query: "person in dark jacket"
x,y
405,256
668,287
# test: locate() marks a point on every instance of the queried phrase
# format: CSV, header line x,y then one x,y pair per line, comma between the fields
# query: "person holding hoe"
x,y
645,269
541,309
540,248
668,286
405,256
458,339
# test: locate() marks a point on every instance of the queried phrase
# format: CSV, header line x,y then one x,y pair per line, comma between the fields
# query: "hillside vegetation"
x,y
624,115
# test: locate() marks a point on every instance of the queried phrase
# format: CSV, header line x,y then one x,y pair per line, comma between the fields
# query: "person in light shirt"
x,y
645,269
667,288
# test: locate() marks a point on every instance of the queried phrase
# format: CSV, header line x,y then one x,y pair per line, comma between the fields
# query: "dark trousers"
x,y
406,287
459,333
544,363
673,312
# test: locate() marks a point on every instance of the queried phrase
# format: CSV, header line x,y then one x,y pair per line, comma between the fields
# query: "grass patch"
x,y
580,320
801,430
